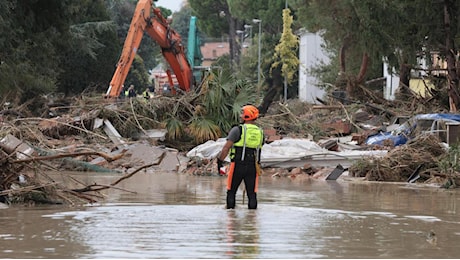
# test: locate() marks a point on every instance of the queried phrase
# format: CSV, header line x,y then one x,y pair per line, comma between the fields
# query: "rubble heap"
x,y
418,160
97,137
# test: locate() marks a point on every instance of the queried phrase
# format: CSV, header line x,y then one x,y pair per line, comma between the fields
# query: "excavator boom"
x,y
148,19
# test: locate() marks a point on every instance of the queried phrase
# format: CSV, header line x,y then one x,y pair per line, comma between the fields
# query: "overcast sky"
x,y
173,5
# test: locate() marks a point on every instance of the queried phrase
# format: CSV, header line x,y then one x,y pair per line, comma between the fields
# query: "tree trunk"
x,y
275,87
363,69
452,76
342,53
403,90
232,41
352,83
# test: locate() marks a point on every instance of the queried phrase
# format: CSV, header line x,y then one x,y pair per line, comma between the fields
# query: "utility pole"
x,y
258,52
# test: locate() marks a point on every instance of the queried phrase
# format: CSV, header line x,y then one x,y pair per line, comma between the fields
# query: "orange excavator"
x,y
147,18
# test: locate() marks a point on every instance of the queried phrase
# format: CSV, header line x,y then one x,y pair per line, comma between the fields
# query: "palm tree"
x,y
216,107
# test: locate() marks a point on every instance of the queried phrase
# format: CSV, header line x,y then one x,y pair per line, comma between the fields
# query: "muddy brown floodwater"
x,y
181,216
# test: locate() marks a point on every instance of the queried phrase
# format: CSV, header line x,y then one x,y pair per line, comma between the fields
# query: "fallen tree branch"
x,y
24,189
107,157
135,117
91,187
348,117
289,112
139,169
98,187
62,123
81,196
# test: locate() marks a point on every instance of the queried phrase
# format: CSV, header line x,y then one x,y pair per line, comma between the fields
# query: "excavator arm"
x,y
148,19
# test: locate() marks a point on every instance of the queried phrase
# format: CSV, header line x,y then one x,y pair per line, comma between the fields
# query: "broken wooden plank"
x,y
331,107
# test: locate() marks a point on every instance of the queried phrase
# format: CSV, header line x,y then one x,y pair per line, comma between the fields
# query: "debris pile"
x,y
418,160
128,137
84,139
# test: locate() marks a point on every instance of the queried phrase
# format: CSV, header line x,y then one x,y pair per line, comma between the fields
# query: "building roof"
x,y
213,50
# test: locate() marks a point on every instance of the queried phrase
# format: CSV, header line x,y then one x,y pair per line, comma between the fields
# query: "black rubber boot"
x,y
230,199
252,201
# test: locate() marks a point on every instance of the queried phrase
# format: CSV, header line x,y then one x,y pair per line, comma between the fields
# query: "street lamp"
x,y
258,53
248,26
241,52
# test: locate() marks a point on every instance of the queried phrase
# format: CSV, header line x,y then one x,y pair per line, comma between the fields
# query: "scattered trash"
x,y
419,124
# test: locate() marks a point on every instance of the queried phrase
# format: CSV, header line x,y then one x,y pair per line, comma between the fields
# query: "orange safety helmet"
x,y
250,112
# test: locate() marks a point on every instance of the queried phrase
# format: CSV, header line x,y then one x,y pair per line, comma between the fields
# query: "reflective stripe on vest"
x,y
251,137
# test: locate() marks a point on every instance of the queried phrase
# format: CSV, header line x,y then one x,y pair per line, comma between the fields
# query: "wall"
x,y
311,54
392,82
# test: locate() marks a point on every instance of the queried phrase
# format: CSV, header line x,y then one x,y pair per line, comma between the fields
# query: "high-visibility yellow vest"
x,y
251,137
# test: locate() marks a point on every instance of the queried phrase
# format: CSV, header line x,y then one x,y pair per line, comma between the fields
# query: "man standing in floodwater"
x,y
244,143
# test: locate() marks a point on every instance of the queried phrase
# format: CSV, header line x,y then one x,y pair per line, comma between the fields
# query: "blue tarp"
x,y
403,133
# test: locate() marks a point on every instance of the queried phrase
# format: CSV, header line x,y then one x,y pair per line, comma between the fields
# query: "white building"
x,y
311,54
392,82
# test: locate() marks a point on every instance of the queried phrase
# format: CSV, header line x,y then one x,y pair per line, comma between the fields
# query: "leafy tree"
x,y
138,75
29,62
52,45
451,26
383,29
88,49
341,27
243,12
286,51
6,45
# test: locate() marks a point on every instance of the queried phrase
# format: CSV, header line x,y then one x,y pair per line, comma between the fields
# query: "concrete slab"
x,y
147,154
156,134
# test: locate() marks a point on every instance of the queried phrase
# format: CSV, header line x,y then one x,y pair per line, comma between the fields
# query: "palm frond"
x,y
203,129
175,128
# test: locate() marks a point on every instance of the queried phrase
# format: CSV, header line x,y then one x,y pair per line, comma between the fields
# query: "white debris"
x,y
290,152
